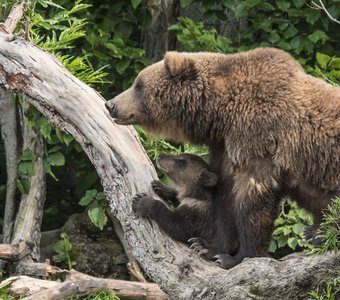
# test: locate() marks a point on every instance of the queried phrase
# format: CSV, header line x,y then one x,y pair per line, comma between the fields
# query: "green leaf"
x,y
298,228
101,196
283,4
292,242
45,128
185,3
59,134
299,3
26,168
272,246
296,42
287,230
88,198
265,6
283,45
317,36
27,155
55,148
56,159
67,138
335,63
23,185
312,15
274,38
135,3
290,32
282,241
98,216
122,65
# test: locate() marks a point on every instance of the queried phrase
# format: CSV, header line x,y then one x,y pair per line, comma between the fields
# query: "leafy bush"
x,y
65,251
289,228
329,290
329,232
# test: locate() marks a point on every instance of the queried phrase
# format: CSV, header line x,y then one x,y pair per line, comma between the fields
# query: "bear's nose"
x,y
110,106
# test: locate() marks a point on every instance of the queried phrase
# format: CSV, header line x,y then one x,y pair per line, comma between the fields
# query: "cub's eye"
x,y
139,86
181,162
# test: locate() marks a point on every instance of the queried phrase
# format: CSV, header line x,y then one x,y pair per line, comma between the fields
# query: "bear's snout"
x,y
111,107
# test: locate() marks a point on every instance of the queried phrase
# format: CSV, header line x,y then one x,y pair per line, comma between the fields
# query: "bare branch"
x,y
322,6
14,252
13,18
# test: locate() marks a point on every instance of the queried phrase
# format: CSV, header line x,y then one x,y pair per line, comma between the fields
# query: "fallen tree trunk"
x,y
79,284
124,168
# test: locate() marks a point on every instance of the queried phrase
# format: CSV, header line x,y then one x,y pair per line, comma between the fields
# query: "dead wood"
x,y
78,284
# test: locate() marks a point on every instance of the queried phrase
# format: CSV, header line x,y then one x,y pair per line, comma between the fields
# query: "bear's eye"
x,y
139,86
181,162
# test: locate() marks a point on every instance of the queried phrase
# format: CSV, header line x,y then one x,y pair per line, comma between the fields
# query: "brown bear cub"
x,y
193,215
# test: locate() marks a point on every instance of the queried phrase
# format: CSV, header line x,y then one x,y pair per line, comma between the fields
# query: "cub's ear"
x,y
208,179
180,65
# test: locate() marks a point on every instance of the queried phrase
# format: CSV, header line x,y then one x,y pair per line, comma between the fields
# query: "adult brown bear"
x,y
271,128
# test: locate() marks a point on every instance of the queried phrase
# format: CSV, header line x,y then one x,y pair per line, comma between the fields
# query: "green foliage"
x,y
329,230
4,293
328,68
329,290
113,36
294,26
96,202
65,251
289,228
26,170
59,32
194,37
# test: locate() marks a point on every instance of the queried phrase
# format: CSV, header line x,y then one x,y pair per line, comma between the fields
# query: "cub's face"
x,y
186,169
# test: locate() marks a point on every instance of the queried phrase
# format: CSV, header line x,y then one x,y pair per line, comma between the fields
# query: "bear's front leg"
x,y
167,193
176,223
145,205
256,196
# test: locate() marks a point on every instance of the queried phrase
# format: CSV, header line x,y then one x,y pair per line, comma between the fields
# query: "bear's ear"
x,y
180,65
208,179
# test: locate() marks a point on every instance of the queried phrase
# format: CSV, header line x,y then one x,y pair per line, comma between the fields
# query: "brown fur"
x,y
193,215
272,130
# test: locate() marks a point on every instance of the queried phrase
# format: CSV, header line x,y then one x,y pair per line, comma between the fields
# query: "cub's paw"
x,y
226,261
158,187
142,204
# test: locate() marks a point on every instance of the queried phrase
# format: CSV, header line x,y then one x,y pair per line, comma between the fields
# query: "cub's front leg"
x,y
173,223
167,193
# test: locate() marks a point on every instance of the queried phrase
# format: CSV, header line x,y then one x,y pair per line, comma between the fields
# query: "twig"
x,y
322,6
135,272
13,18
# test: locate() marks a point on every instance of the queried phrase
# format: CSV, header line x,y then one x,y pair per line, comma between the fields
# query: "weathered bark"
x,y
78,284
29,217
124,169
14,252
8,124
